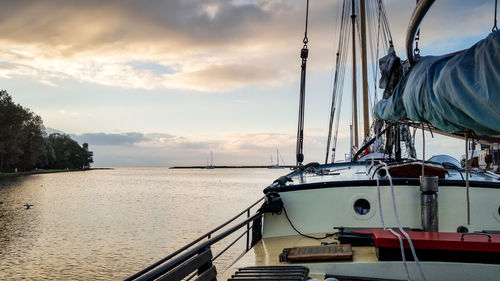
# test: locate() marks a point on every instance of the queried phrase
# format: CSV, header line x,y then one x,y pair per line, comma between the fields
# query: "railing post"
x,y
207,265
256,230
248,231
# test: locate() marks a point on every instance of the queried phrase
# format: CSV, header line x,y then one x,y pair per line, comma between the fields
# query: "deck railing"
x,y
199,246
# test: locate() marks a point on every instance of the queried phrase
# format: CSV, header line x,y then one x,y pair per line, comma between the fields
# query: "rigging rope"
x,y
467,171
300,130
382,24
332,112
306,40
495,28
333,78
423,153
341,59
343,45
377,24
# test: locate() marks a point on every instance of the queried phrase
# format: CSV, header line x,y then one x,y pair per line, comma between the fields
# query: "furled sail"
x,y
454,93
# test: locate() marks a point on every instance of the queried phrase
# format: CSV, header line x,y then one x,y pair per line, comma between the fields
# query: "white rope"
x,y
412,248
401,246
380,204
467,170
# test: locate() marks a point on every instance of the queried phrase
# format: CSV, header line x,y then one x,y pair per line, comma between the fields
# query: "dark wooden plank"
x,y
274,278
318,253
209,275
275,267
189,266
357,278
270,270
254,274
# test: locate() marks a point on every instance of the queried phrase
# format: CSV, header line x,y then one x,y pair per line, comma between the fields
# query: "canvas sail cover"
x,y
452,92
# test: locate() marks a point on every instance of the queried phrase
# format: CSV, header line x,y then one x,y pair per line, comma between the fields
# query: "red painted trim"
x,y
436,240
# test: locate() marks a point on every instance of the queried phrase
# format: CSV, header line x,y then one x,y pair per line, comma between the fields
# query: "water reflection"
x,y
107,224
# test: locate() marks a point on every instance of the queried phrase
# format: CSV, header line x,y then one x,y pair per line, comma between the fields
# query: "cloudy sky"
x,y
164,82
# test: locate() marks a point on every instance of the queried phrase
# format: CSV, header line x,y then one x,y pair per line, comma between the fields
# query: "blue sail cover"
x,y
452,92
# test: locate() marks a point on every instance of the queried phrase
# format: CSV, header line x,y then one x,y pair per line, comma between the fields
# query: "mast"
x,y
366,117
277,158
354,86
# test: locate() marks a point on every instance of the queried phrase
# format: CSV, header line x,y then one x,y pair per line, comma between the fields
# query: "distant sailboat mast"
x,y
211,165
277,165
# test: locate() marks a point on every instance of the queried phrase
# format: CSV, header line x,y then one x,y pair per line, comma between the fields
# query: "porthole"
x,y
361,206
496,210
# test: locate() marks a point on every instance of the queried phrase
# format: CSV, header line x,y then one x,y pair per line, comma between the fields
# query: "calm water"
x,y
108,224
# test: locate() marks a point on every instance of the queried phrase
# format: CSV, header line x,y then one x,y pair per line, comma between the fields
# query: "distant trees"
x,y
67,153
24,145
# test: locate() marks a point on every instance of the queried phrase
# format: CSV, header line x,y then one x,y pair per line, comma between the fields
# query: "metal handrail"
x,y
160,267
224,250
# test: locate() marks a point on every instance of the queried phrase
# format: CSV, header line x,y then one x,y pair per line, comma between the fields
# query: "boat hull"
x,y
319,210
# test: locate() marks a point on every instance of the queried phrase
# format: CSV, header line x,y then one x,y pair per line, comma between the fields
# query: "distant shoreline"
x,y
48,171
228,167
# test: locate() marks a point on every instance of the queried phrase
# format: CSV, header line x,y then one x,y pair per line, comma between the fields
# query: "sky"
x,y
162,83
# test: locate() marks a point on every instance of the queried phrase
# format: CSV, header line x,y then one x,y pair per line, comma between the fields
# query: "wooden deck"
x,y
365,263
266,252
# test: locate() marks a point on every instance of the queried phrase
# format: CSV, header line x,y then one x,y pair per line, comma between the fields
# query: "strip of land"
x,y
48,171
228,167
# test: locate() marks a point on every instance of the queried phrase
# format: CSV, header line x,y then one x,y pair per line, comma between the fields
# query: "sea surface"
x,y
108,224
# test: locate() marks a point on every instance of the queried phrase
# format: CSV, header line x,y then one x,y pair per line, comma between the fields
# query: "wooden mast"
x,y
366,116
354,86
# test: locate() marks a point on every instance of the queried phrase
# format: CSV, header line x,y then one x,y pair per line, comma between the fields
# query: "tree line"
x,y
25,146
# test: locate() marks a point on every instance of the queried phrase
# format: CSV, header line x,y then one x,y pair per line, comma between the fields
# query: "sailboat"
x,y
277,165
383,215
210,165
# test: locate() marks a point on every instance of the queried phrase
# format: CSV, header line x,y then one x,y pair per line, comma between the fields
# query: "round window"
x,y
361,206
496,210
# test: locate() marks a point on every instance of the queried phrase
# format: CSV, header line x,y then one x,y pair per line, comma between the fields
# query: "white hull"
x,y
319,210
